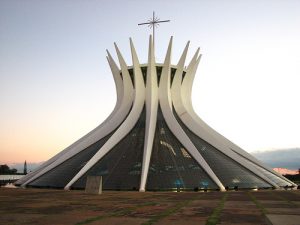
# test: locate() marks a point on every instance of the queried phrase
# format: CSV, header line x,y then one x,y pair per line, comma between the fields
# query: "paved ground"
x,y
40,206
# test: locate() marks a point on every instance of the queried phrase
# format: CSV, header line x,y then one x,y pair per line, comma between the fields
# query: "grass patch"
x,y
90,220
117,213
263,210
166,213
215,216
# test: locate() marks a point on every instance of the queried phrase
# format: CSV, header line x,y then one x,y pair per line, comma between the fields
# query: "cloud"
x,y
283,158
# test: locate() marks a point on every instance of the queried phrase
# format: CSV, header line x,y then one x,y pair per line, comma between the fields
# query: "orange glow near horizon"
x,y
285,171
42,139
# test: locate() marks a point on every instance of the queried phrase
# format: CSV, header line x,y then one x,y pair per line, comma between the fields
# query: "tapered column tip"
x,y
131,42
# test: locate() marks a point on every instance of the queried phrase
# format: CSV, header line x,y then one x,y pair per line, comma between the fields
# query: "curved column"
x,y
151,113
125,94
129,122
165,102
124,101
188,111
119,89
118,81
193,124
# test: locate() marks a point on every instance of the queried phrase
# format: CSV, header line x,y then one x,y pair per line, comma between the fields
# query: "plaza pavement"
x,y
47,206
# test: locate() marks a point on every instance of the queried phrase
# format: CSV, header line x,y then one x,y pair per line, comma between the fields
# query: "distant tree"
x,y
4,169
295,178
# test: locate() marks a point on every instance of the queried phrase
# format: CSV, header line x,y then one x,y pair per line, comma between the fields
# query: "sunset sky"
x,y
56,85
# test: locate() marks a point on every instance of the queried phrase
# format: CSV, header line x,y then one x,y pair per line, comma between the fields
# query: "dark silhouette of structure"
x,y
25,168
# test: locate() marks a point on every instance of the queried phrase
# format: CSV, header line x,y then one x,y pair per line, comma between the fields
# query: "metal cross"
x,y
154,22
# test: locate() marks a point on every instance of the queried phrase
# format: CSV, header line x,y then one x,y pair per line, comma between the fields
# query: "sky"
x,y
56,85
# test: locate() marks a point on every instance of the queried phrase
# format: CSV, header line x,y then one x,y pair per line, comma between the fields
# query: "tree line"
x,y
4,170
